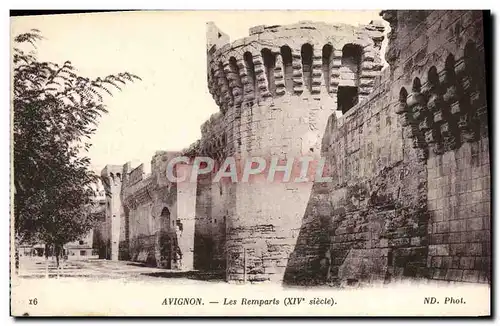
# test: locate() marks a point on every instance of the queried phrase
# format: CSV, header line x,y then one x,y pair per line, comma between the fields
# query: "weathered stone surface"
x,y
409,159
388,191
146,223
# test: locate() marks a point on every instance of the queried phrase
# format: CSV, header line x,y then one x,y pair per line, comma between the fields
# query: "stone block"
x,y
436,261
446,262
416,241
458,226
454,275
455,237
470,276
439,274
439,250
484,277
475,224
467,262
458,249
474,249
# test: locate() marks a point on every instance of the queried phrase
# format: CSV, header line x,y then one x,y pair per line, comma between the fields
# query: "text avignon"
x,y
182,302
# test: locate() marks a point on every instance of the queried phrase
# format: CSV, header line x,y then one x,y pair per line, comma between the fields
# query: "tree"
x,y
55,113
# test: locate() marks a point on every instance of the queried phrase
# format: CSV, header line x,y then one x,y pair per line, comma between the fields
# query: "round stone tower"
x,y
276,90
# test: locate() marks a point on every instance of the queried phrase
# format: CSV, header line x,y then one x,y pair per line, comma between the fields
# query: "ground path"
x,y
35,267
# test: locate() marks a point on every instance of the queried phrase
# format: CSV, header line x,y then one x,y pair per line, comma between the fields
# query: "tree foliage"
x,y
56,111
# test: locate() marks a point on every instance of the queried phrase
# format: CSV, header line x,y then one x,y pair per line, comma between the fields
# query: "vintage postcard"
x,y
251,163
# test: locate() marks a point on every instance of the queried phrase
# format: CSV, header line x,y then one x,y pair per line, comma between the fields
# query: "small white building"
x,y
81,249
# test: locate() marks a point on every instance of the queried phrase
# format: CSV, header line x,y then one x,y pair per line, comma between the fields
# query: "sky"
x,y
167,50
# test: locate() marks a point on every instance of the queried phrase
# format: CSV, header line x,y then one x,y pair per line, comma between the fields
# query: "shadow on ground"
x,y
194,275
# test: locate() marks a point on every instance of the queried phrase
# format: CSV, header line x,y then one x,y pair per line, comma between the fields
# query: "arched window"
x,y
269,64
416,86
351,61
403,94
165,217
248,58
433,77
235,69
286,55
327,55
347,94
307,54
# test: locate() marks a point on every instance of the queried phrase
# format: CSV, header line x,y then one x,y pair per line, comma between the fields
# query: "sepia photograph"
x,y
251,163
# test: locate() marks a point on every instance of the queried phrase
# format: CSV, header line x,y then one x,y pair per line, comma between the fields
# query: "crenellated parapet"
x,y
159,163
192,150
308,58
138,190
276,90
213,137
141,188
447,106
111,177
138,195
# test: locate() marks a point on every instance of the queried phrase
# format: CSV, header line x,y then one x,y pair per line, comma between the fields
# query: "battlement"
x,y
137,174
213,139
134,185
308,58
138,193
215,37
112,171
111,176
211,124
312,25
192,150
